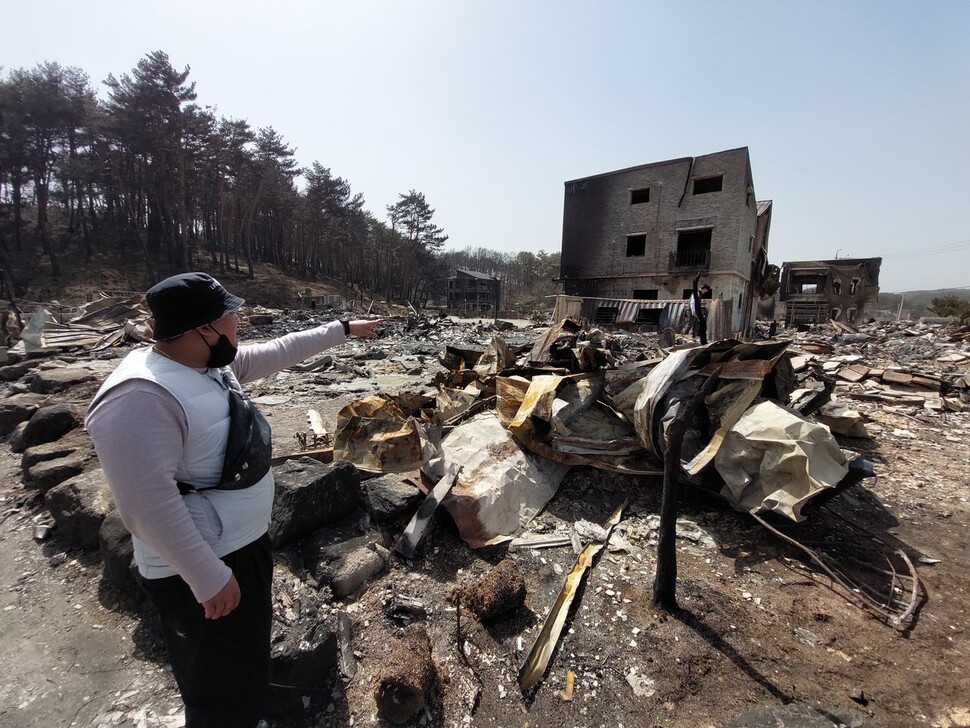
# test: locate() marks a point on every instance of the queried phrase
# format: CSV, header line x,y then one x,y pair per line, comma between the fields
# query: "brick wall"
x,y
598,219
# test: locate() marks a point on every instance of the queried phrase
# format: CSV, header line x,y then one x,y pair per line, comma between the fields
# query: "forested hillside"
x,y
152,179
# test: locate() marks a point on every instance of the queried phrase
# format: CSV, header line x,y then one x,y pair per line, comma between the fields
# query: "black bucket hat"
x,y
186,301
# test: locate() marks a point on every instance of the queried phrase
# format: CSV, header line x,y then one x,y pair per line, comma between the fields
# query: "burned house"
x,y
471,292
635,239
845,289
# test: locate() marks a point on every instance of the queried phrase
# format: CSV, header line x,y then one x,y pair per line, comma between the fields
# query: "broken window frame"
x,y
799,282
708,185
693,248
634,243
639,196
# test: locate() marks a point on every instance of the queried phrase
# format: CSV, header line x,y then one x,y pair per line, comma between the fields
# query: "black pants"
x,y
221,665
700,328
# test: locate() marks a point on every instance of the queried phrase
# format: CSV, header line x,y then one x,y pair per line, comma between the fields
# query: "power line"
x,y
948,248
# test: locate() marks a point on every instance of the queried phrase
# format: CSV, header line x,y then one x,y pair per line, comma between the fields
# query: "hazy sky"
x,y
856,113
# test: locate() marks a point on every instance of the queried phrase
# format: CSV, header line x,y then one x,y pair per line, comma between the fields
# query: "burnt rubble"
x,y
553,427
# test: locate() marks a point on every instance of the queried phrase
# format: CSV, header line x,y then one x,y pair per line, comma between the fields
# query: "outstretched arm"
x,y
256,361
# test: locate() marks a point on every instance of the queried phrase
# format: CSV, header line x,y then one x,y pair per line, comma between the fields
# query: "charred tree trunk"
x,y
665,580
16,184
43,228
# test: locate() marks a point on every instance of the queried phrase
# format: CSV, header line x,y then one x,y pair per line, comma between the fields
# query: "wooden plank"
x,y
323,455
895,376
853,372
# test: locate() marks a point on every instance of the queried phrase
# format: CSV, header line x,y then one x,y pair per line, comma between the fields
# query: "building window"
x,y
636,245
854,286
807,283
836,312
708,184
836,286
740,299
606,314
687,292
646,294
750,243
693,249
850,315
638,197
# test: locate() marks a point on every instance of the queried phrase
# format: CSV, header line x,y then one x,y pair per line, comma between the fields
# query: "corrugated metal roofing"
x,y
674,314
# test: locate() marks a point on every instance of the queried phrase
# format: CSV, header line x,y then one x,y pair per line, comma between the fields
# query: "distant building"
x,y
642,234
311,300
845,289
474,293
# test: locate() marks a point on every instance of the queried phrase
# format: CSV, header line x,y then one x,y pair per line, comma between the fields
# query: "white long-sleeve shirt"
x,y
139,430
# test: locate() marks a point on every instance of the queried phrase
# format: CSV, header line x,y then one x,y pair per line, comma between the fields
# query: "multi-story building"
x,y
471,292
845,289
642,234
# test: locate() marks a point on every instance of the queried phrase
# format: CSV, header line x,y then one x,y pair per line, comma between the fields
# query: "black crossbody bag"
x,y
249,447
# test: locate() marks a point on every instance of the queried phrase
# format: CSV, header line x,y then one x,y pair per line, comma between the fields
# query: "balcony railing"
x,y
685,260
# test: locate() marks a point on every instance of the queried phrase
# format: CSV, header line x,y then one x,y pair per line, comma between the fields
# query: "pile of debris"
x,y
489,436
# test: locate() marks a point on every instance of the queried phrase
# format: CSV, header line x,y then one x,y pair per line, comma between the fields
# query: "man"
x,y
187,459
698,312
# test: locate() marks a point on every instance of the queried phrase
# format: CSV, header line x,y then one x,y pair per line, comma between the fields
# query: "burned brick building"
x,y
845,289
641,234
471,292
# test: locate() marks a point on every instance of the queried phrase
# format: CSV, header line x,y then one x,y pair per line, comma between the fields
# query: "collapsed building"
x,y
815,291
634,240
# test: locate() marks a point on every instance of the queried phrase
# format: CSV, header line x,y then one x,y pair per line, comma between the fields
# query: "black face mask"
x,y
222,353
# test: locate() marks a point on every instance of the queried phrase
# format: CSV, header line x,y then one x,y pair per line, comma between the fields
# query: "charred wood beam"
x,y
665,580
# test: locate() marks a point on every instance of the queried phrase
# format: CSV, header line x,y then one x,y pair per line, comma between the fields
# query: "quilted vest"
x,y
203,398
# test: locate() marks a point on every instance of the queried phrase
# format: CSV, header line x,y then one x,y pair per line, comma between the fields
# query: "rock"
x,y
48,381
17,409
499,592
117,553
344,559
49,473
310,495
349,573
79,507
328,544
16,439
47,451
390,497
13,372
260,319
408,680
305,657
51,423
